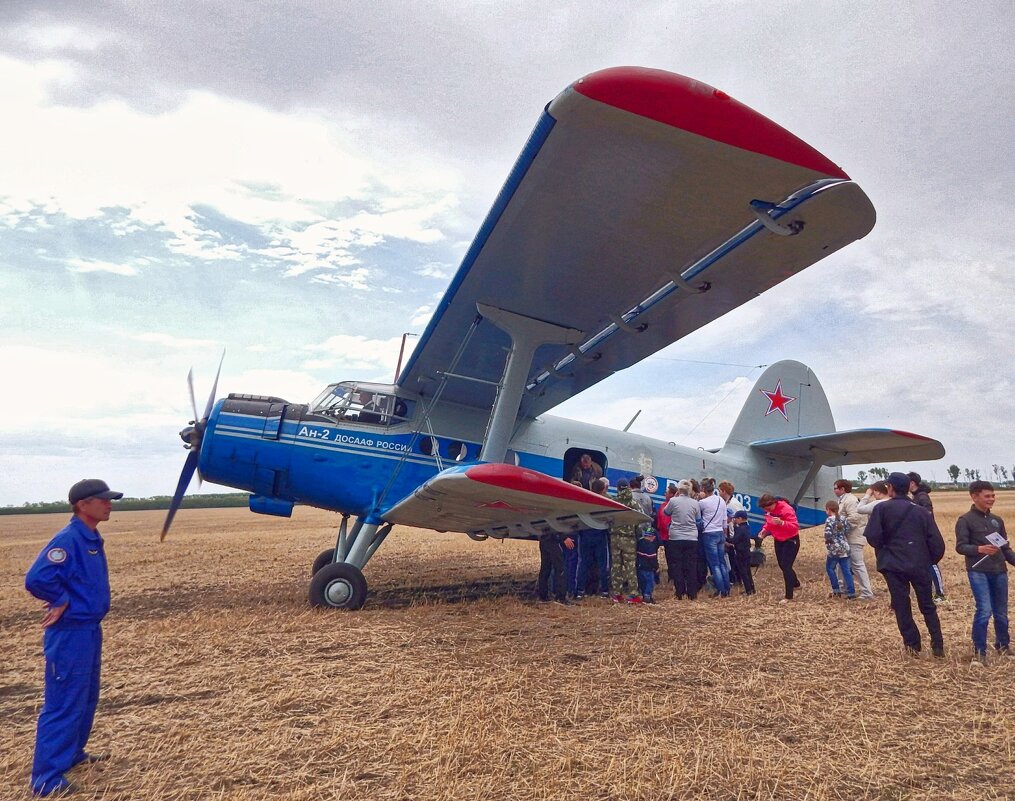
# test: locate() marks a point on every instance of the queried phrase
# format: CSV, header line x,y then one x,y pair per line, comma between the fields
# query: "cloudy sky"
x,y
296,183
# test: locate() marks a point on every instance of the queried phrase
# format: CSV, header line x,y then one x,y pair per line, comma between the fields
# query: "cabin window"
x,y
358,404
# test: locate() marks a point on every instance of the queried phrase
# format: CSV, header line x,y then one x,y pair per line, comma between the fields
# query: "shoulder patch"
x,y
56,555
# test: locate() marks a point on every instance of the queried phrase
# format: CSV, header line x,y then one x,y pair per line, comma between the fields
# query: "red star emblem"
x,y
776,400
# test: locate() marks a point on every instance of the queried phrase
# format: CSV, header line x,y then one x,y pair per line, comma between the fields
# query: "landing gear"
x,y
337,574
338,585
323,558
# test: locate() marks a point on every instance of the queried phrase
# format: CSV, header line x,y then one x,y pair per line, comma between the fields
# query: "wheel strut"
x,y
337,579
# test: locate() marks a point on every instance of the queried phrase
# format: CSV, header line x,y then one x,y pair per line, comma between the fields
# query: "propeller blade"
x,y
214,388
208,406
189,467
193,403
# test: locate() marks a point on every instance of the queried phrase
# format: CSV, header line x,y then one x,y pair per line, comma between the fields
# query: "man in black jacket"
x,y
907,543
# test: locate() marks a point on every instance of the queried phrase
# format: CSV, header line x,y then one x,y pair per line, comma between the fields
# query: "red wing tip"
x,y
698,108
912,436
522,479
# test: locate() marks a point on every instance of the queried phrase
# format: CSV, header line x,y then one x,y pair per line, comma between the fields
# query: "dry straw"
x,y
220,683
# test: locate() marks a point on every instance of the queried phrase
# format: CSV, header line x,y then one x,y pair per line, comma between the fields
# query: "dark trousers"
x,y
670,552
731,556
73,666
551,560
594,555
571,568
785,555
938,581
742,559
898,588
685,567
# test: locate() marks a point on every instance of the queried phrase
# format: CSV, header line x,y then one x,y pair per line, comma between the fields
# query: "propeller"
x,y
191,436
190,386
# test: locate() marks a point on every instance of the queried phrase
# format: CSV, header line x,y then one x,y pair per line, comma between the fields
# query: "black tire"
x,y
338,586
323,558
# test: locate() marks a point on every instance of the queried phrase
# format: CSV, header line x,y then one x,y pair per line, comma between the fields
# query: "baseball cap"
x,y
899,482
622,483
92,488
741,514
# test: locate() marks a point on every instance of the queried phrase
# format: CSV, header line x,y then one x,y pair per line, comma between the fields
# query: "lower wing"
x,y
502,500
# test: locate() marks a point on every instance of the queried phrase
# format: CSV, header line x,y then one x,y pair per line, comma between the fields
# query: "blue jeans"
x,y
646,581
990,591
842,562
715,556
571,567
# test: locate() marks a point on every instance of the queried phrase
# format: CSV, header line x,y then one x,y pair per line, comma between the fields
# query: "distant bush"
x,y
220,500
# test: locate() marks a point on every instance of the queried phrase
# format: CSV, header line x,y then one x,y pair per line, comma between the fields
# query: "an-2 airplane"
x,y
643,206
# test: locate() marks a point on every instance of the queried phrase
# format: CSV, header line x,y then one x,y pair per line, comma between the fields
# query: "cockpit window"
x,y
354,403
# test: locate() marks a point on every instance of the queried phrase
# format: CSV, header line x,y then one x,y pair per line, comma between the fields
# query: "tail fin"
x,y
787,415
787,401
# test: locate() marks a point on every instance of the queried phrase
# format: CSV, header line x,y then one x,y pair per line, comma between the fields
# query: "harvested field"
x,y
219,681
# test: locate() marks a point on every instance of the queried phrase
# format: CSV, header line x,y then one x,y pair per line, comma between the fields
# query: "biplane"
x,y
643,205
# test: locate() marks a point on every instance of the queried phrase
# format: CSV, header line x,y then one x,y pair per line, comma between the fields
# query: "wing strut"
x,y
527,334
427,408
816,464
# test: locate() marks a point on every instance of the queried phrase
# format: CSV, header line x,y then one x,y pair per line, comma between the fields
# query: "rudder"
x,y
786,401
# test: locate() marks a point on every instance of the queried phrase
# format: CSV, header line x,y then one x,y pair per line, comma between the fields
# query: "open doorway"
x,y
572,456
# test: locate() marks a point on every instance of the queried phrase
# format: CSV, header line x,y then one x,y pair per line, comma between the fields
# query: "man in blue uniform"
x,y
70,575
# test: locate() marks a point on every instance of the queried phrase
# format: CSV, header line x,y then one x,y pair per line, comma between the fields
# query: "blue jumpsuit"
x,y
72,570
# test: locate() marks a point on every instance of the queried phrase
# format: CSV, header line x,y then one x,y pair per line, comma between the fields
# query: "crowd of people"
x,y
707,544
701,528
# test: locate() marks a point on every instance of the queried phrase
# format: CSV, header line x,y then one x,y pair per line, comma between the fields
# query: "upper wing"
x,y
628,218
502,500
856,447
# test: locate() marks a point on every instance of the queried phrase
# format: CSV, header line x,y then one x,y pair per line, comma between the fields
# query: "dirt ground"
x,y
453,683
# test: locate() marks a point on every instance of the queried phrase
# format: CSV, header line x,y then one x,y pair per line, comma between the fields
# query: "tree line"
x,y
213,501
1000,472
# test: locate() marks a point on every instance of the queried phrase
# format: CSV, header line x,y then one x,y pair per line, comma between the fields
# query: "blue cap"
x,y
899,482
741,514
89,488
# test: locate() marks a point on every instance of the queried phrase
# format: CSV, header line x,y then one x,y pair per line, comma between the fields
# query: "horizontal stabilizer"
x,y
859,446
501,500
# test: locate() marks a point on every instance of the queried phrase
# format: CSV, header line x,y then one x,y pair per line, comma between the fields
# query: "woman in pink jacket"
x,y
782,526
